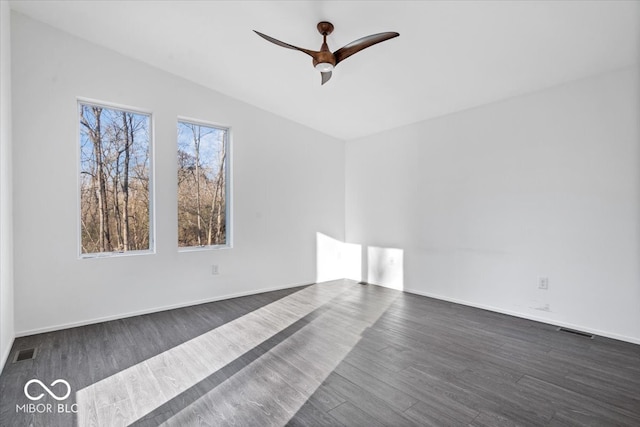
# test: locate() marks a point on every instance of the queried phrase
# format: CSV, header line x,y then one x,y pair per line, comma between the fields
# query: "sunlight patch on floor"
x,y
134,392
248,398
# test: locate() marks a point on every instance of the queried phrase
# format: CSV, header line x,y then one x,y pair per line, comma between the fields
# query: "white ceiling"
x,y
450,56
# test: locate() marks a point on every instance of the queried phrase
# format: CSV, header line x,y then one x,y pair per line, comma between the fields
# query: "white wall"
x,y
485,202
288,185
6,204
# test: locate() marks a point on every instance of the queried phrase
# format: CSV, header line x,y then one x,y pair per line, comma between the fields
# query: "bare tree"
x,y
127,126
217,202
95,134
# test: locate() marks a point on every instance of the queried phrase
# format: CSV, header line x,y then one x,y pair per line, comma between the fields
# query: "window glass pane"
x,y
202,185
115,208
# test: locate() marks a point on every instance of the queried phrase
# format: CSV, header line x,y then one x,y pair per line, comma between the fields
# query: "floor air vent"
x,y
574,332
26,354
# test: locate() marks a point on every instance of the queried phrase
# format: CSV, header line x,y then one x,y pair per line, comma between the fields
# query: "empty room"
x,y
319,213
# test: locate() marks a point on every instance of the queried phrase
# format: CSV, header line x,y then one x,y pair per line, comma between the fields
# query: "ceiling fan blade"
x,y
326,76
311,53
360,44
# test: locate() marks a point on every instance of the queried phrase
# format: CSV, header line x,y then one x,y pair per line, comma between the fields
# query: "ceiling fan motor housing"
x,y
325,56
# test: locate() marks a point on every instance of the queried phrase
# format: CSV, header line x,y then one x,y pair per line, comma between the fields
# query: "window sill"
x,y
204,248
116,254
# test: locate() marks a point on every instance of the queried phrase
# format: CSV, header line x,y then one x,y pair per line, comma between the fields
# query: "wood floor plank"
x,y
581,418
491,419
309,415
431,415
351,415
367,401
394,397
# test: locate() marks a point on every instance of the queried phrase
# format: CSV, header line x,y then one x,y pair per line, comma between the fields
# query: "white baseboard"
x,y
277,288
527,316
151,310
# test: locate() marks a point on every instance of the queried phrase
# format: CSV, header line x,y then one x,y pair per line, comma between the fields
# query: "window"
x,y
115,171
203,185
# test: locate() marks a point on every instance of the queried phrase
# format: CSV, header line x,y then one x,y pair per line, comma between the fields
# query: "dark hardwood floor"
x,y
337,353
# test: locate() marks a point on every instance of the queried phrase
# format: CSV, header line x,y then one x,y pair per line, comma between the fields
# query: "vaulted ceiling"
x,y
450,56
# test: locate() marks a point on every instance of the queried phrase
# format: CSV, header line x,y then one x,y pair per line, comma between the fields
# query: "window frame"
x,y
152,196
228,176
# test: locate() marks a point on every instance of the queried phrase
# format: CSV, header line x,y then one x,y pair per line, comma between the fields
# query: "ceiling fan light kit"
x,y
324,67
324,60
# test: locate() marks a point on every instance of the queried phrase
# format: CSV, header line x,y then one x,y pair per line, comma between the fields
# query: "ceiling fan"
x,y
323,60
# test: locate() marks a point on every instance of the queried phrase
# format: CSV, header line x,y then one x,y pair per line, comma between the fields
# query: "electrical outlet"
x,y
543,283
215,270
